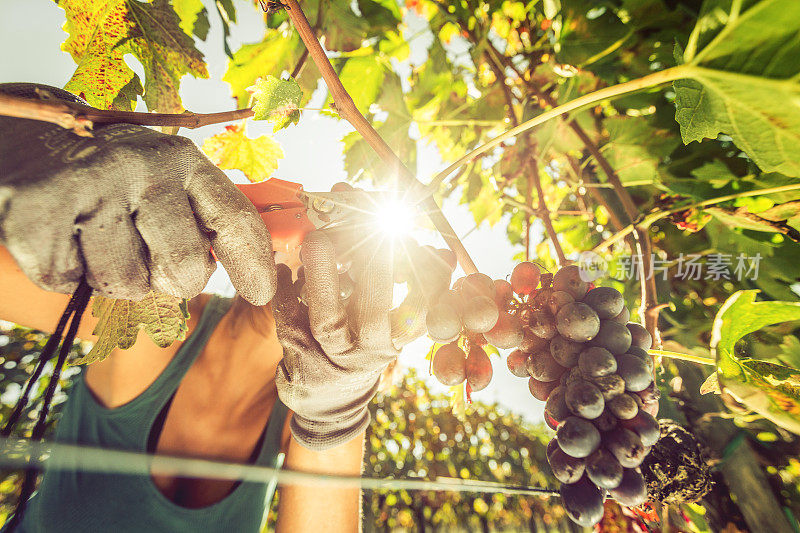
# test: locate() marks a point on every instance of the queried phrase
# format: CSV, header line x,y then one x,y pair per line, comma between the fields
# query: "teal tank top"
x,y
76,501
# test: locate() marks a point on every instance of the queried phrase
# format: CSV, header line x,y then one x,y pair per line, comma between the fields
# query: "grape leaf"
x,y
635,148
362,77
746,81
193,16
277,101
233,149
769,389
101,33
163,318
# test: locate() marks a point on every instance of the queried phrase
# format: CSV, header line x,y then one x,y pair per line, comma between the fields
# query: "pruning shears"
x,y
290,212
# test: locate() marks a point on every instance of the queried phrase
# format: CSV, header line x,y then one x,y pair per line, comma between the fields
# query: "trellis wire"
x,y
23,453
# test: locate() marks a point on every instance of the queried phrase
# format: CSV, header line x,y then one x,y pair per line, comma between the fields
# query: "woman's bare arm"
x,y
314,509
114,381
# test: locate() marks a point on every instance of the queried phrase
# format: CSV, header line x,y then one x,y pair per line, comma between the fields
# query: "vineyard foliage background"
x,y
685,161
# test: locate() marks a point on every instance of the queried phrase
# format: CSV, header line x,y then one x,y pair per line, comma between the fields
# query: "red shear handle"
x,y
281,210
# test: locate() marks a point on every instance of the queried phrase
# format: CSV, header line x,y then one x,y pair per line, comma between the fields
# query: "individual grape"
x,y
632,491
565,351
525,278
623,406
543,367
453,299
612,336
644,356
650,394
644,425
540,299
651,408
517,363
480,314
578,437
541,389
577,322
606,421
634,371
603,469
448,257
443,323
530,342
623,317
542,324
596,362
572,375
610,386
346,287
552,446
557,300
551,422
584,399
607,302
450,364
556,406
568,279
566,469
506,333
626,446
479,368
583,502
478,284
640,336
503,293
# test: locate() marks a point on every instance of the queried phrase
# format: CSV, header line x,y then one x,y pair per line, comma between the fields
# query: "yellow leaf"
x,y
233,149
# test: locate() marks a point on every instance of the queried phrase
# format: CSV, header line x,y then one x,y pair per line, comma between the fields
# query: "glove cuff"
x,y
320,436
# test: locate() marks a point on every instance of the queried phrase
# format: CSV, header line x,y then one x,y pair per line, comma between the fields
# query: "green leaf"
x,y
101,33
742,219
163,318
276,53
362,77
746,82
635,148
233,149
193,16
771,390
277,101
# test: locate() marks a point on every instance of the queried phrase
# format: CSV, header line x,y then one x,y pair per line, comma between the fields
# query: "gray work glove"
x,y
132,209
335,350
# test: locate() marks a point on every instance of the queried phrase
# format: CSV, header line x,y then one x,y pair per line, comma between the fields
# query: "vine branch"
x,y
347,109
543,212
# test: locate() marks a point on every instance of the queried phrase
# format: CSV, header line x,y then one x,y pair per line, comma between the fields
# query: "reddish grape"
x,y
543,367
479,368
480,314
503,293
478,285
517,363
450,364
555,406
506,333
650,394
443,323
525,278
651,408
530,342
541,389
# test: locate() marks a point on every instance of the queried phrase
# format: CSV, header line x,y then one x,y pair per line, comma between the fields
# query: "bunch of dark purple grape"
x,y
581,356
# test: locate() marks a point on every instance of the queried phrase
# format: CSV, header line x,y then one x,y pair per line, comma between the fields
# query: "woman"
x,y
223,392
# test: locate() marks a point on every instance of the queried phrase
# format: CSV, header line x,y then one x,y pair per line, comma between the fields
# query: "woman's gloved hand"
x,y
335,350
132,209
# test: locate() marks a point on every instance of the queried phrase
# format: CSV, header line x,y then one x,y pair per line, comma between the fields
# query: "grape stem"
x,y
684,357
348,110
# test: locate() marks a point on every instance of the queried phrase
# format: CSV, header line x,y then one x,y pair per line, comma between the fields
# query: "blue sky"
x,y
31,31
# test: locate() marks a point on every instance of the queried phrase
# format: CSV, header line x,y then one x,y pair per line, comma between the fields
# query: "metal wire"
x,y
23,453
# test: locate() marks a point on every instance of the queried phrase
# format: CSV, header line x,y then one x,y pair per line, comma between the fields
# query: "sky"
x,y
31,36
